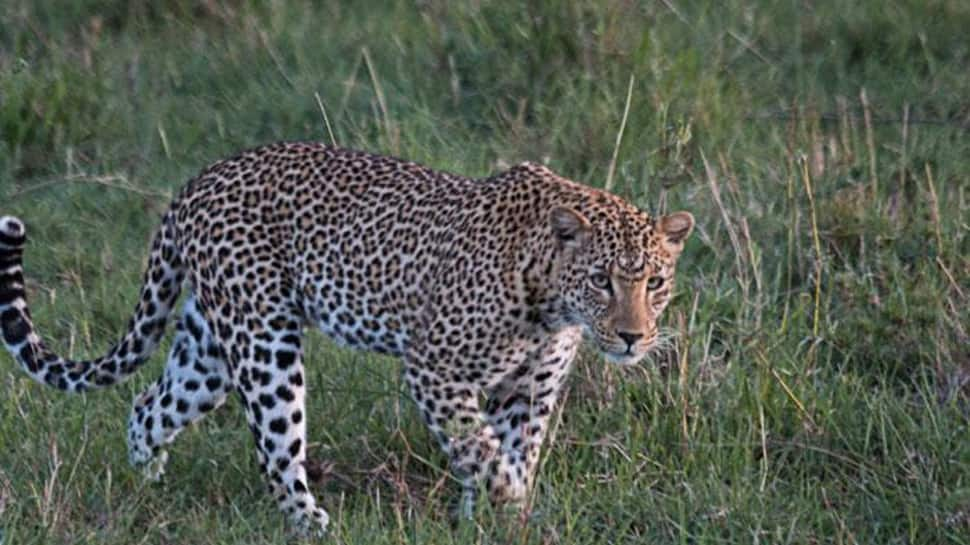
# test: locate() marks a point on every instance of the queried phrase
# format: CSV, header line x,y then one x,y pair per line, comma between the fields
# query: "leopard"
x,y
483,287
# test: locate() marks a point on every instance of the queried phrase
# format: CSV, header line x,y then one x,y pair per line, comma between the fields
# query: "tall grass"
x,y
818,387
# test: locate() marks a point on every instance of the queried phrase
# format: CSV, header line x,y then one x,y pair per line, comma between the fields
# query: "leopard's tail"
x,y
163,281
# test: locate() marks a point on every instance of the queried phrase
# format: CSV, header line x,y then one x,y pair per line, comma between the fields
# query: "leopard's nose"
x,y
630,337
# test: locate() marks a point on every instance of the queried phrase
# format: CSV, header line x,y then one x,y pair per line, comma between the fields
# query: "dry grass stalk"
x,y
683,375
712,181
389,129
619,136
817,243
326,119
870,142
903,146
935,208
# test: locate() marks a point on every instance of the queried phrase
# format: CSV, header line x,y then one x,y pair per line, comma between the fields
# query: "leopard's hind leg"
x,y
195,381
262,339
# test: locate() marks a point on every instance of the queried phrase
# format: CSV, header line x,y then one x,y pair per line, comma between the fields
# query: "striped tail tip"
x,y
12,233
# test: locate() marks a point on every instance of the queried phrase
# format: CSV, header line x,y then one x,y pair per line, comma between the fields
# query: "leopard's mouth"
x,y
621,354
623,358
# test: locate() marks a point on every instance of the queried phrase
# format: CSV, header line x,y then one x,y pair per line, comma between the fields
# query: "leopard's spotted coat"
x,y
482,287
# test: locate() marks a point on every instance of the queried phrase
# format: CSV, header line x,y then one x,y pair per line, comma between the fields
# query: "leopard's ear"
x,y
569,226
674,230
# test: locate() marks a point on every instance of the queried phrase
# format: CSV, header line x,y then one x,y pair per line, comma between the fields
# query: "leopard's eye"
x,y
600,280
654,282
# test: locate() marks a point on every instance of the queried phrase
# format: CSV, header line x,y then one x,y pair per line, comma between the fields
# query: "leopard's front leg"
x,y
450,409
518,413
499,446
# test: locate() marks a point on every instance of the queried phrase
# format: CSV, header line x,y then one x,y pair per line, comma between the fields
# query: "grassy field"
x,y
819,390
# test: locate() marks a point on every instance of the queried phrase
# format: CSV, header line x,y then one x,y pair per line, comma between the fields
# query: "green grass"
x,y
820,387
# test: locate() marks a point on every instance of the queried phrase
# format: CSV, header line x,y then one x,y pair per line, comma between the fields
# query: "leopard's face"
x,y
616,276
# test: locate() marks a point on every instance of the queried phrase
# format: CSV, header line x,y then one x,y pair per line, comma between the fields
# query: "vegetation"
x,y
820,386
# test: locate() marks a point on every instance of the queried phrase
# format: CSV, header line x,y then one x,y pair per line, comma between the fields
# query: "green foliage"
x,y
819,386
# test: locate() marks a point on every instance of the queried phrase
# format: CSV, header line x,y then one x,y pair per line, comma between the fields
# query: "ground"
x,y
819,386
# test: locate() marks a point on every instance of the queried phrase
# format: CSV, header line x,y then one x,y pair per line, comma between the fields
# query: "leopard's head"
x,y
615,273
